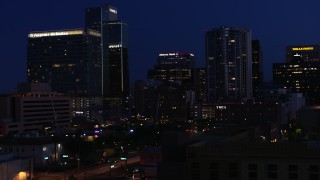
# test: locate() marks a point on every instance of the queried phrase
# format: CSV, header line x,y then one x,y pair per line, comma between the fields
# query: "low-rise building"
x,y
33,108
17,168
42,150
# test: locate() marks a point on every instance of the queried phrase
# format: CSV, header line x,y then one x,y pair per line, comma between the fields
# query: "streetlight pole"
x,y
111,167
78,160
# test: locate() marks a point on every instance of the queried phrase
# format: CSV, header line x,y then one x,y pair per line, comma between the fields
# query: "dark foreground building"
x,y
235,154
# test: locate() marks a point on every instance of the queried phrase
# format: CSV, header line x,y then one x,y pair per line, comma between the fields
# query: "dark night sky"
x,y
160,26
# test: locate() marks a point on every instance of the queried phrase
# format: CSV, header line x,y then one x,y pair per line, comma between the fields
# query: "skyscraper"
x,y
200,84
303,53
229,66
257,68
115,65
175,73
114,52
69,60
173,67
95,17
301,72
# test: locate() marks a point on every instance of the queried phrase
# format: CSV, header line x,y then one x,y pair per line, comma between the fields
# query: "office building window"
x,y
195,174
272,171
292,172
314,172
233,170
252,171
214,171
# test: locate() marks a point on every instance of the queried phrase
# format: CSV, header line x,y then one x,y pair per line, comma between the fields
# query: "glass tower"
x,y
228,63
114,52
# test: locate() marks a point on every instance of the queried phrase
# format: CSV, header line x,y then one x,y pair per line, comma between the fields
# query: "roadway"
x,y
99,171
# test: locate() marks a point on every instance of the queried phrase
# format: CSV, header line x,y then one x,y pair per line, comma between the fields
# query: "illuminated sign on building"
x,y
94,33
115,46
174,54
302,48
56,33
113,10
221,107
79,112
169,54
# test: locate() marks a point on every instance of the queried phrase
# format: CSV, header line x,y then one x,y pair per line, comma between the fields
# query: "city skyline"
x,y
151,31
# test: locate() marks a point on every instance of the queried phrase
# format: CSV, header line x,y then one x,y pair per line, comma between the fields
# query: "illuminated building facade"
x,y
163,102
229,64
89,108
69,60
301,72
115,67
170,103
114,52
169,100
173,67
252,112
300,78
257,67
298,54
34,108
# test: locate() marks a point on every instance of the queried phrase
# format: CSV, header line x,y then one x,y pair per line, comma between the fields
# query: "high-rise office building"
x,y
174,67
175,73
229,64
96,16
87,64
257,68
301,72
69,60
200,84
114,52
115,67
299,78
303,53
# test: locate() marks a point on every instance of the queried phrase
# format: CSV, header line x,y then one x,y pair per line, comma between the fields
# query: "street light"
x,y
78,160
124,159
111,167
